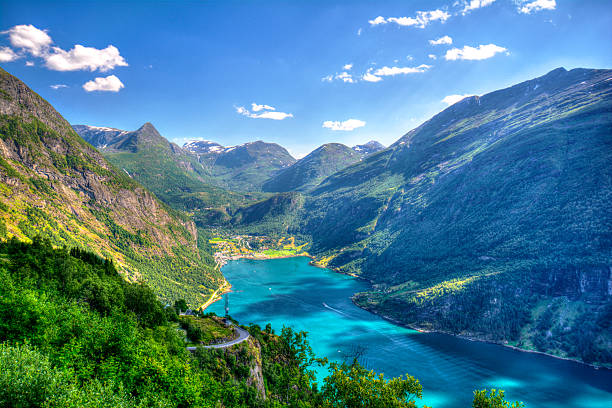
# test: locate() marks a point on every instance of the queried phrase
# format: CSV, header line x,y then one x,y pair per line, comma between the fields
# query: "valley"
x,y
309,204
471,225
458,225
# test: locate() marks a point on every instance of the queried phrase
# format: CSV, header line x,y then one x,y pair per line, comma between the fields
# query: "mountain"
x,y
98,136
309,171
203,147
115,140
271,216
244,167
369,148
172,173
491,220
57,186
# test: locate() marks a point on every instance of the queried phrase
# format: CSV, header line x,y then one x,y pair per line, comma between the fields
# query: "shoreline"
x,y
480,340
225,288
464,337
406,325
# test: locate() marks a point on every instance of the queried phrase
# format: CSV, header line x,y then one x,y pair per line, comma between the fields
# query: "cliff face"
x,y
589,284
56,185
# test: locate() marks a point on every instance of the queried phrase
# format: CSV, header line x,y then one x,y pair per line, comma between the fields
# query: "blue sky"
x,y
334,71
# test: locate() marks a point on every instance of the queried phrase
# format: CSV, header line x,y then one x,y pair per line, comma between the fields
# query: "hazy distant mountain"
x,y
203,147
371,147
244,167
98,136
174,174
309,171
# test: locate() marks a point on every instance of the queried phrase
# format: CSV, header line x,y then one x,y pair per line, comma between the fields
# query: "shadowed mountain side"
x,y
515,182
312,169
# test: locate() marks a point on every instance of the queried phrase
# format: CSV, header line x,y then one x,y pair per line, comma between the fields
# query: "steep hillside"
x,y
173,174
309,171
56,185
273,215
244,167
492,219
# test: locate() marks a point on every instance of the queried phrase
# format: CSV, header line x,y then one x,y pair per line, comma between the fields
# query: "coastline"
x,y
481,340
225,288
464,337
222,260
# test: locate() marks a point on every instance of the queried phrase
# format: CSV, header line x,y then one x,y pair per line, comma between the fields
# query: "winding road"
x,y
242,336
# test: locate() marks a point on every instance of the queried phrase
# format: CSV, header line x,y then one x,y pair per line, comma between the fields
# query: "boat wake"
x,y
335,310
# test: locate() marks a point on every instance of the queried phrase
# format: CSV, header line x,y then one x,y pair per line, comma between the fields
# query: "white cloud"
x,y
453,99
368,77
110,84
58,86
472,53
422,19
378,20
409,57
432,56
442,40
256,108
372,75
85,58
359,31
38,43
538,5
269,112
29,38
347,125
29,63
343,76
347,67
7,54
390,71
476,4
273,115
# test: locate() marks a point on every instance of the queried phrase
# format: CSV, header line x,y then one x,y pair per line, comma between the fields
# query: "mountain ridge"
x,y
486,200
54,184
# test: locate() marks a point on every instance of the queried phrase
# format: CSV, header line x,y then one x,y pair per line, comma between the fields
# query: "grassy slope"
x,y
56,185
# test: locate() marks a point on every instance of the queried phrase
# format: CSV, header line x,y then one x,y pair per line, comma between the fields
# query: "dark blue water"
x,y
290,292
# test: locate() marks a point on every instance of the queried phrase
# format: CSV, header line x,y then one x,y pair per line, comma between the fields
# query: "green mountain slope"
x,y
244,167
56,185
309,171
173,174
492,219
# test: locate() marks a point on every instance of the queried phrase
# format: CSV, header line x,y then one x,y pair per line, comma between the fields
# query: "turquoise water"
x,y
290,292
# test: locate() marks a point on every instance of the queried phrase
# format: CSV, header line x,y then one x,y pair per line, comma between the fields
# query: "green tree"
x,y
180,305
494,399
354,386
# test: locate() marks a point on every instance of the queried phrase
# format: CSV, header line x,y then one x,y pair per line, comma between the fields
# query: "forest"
x,y
74,333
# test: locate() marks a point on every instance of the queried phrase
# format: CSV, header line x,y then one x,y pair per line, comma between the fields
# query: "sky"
x,y
297,73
